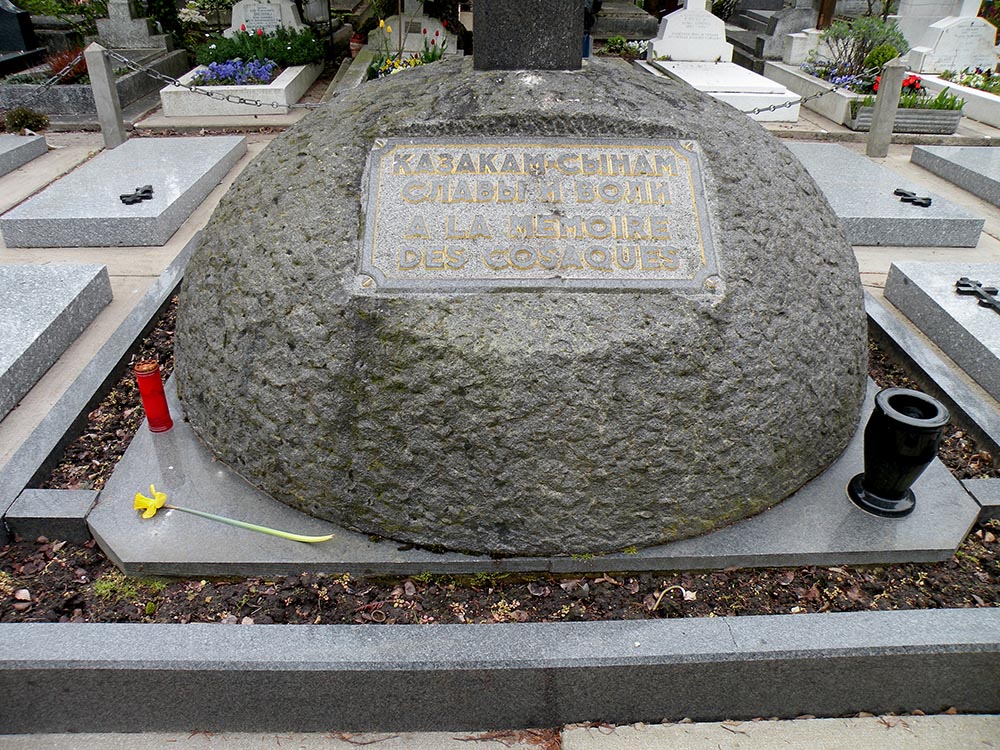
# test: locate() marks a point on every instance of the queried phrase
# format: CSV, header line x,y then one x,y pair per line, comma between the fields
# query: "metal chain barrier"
x,y
49,83
232,98
804,99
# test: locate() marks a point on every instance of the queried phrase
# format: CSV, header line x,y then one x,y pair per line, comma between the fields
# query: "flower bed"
x,y
937,121
982,106
283,91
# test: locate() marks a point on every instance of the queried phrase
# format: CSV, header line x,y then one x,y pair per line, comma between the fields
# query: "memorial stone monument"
x,y
955,42
490,309
124,28
264,14
411,32
692,43
19,49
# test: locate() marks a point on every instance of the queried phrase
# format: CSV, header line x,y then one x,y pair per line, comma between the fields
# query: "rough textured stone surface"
x,y
527,35
535,421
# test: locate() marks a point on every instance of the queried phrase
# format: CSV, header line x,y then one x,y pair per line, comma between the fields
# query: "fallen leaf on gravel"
x,y
538,589
22,595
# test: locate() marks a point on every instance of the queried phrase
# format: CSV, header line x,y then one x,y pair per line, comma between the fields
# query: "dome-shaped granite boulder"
x,y
535,420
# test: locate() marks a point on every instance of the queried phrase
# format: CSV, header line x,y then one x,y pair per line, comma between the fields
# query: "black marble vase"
x,y
901,439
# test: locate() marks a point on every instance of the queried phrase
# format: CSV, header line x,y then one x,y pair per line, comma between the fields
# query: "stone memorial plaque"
x,y
263,16
499,214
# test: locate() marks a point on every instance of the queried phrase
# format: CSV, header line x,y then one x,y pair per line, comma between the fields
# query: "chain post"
x,y
102,83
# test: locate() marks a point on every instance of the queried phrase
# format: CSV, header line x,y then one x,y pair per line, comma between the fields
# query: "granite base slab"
x,y
975,169
818,525
987,494
18,150
83,209
42,311
965,331
55,514
861,194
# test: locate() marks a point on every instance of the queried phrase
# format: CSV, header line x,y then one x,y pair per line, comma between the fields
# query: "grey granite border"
x,y
935,375
131,678
34,456
935,160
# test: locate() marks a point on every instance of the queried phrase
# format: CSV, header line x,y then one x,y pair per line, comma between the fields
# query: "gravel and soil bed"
x,y
53,581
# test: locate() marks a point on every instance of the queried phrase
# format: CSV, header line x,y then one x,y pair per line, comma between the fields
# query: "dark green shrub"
x,y
852,41
879,56
286,47
20,118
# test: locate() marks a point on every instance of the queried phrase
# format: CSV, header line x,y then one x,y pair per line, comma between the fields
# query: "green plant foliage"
x,y
286,47
878,57
20,118
975,78
915,100
80,15
852,41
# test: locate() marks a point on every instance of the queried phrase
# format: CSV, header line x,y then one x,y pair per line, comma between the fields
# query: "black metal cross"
x,y
987,294
144,193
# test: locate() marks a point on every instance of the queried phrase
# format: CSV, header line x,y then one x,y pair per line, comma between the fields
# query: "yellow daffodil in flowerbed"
x,y
149,506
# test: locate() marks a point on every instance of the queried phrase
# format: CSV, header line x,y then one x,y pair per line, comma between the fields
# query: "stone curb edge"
x,y
209,677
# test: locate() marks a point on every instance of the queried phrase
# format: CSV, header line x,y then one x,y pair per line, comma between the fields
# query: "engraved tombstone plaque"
x,y
497,214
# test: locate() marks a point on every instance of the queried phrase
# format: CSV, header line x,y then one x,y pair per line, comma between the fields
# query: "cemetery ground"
x,y
44,580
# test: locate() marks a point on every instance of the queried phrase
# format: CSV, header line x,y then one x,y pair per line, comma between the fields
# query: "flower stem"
x,y
252,526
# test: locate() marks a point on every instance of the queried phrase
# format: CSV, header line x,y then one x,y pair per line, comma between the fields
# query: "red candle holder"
x,y
154,400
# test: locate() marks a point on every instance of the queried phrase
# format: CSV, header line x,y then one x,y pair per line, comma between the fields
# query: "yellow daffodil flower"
x,y
149,505
388,29
381,23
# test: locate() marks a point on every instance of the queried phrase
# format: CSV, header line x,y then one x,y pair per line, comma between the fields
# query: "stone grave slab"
x,y
42,311
975,169
966,331
736,86
861,194
818,525
84,209
18,150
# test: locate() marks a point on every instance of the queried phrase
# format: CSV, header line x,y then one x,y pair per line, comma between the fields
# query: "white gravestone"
x,y
694,40
956,43
414,31
692,33
914,17
264,14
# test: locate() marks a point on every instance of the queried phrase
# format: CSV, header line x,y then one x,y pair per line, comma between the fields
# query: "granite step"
x,y
84,209
861,194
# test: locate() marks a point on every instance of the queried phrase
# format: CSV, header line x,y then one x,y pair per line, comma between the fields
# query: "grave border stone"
x,y
38,335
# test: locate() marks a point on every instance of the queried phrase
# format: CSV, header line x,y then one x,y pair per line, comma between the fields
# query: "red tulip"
x,y
260,32
433,42
425,30
243,27
437,32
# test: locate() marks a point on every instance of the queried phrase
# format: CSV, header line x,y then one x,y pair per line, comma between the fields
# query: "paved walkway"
x,y
875,732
